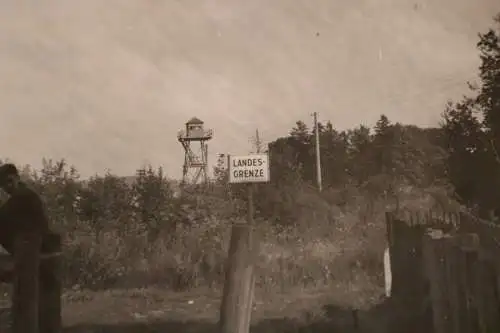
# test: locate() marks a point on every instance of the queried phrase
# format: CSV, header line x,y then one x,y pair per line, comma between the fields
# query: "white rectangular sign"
x,y
249,169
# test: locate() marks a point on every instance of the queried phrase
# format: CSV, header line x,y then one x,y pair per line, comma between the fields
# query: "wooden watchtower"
x,y
194,141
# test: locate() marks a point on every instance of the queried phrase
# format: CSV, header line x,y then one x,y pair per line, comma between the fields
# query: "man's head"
x,y
9,178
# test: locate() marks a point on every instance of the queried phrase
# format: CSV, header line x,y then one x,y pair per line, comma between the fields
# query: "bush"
x,y
135,232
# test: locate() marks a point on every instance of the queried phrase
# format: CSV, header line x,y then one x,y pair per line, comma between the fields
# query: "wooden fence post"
x,y
26,284
236,299
485,295
49,303
456,268
434,261
479,285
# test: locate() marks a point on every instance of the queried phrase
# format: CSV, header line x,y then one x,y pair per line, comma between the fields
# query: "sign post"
x,y
237,298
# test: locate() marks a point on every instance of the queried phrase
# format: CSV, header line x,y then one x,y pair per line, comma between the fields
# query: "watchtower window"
x,y
195,131
194,127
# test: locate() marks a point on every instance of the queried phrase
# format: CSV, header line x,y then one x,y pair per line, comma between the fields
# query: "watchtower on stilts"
x,y
194,140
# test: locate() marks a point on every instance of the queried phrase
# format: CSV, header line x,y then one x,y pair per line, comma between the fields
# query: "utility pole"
x,y
257,142
318,157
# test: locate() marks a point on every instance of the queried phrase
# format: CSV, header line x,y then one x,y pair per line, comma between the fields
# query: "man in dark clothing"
x,y
23,213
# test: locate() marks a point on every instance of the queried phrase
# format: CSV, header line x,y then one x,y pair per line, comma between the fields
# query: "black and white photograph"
x,y
250,166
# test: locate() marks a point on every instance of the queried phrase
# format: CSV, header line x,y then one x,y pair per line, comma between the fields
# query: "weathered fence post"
x,y
237,298
487,306
481,305
457,249
405,252
26,284
49,303
469,245
355,320
434,259
453,265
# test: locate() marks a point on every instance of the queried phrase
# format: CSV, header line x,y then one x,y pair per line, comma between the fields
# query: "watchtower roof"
x,y
194,121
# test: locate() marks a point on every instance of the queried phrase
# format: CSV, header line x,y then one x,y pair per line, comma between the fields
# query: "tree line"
x,y
460,157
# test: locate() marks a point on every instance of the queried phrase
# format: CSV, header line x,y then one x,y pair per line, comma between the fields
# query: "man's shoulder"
x,y
26,192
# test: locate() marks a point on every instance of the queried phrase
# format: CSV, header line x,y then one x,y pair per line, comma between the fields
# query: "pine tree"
x,y
472,128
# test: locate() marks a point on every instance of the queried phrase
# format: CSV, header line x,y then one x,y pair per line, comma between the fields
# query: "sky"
x,y
107,85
